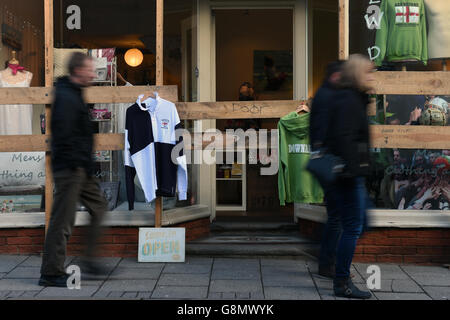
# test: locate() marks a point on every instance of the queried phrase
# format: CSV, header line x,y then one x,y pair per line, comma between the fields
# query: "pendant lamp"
x,y
134,57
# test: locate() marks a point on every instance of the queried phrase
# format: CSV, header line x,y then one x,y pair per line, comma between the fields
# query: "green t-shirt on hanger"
x,y
295,183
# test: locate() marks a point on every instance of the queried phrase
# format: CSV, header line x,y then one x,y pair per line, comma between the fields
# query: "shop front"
x,y
227,65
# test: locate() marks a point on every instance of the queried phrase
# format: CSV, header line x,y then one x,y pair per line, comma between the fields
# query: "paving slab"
x,y
288,268
52,292
287,281
284,262
438,293
243,295
235,286
19,285
15,294
235,274
419,270
115,294
215,296
135,273
323,284
258,295
29,294
130,295
224,263
128,285
133,263
9,262
401,296
24,273
406,286
229,295
198,260
36,261
174,292
105,262
144,295
187,268
171,279
291,293
439,280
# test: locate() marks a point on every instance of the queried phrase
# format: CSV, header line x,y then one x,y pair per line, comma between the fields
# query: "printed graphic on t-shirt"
x,y
164,124
407,14
299,148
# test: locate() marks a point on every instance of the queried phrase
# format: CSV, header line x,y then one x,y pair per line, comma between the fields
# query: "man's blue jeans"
x,y
347,202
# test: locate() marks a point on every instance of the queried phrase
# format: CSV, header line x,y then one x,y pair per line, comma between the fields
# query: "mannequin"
x,y
438,17
15,119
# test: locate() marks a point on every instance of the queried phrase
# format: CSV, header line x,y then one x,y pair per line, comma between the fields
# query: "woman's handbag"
x,y
325,167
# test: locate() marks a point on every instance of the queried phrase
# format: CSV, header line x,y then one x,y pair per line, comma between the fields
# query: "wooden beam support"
x,y
49,45
235,109
410,137
159,82
412,83
343,29
383,136
398,83
43,95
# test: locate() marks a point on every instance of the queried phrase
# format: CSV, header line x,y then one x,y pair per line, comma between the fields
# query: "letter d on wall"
x,y
74,20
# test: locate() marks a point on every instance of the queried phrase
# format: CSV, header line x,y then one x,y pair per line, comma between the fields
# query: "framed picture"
x,y
111,192
273,74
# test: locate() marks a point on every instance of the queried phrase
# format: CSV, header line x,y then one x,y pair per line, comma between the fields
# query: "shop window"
x,y
410,178
399,35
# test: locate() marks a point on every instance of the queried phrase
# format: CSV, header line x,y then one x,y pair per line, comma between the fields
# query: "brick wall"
x,y
418,246
115,241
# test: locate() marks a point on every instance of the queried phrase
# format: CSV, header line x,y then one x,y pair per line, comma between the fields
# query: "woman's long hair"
x,y
353,70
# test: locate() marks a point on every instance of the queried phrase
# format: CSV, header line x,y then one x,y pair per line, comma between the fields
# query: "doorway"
x,y
255,47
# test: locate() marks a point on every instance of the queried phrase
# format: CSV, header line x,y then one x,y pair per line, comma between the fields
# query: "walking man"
x,y
73,169
320,111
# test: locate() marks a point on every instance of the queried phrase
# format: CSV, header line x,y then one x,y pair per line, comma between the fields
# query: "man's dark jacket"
x,y
348,133
320,110
72,133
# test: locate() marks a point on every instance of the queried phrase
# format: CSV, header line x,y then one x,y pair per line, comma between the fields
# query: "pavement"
x,y
202,278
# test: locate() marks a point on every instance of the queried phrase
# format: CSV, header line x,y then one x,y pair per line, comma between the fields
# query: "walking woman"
x,y
348,138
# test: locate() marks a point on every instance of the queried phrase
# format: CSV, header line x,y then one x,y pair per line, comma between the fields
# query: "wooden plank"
x,y
160,43
235,109
159,82
49,45
343,29
413,83
48,30
383,136
29,143
43,95
410,137
387,82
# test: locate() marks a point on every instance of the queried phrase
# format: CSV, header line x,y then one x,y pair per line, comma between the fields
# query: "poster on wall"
x,y
273,74
414,179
